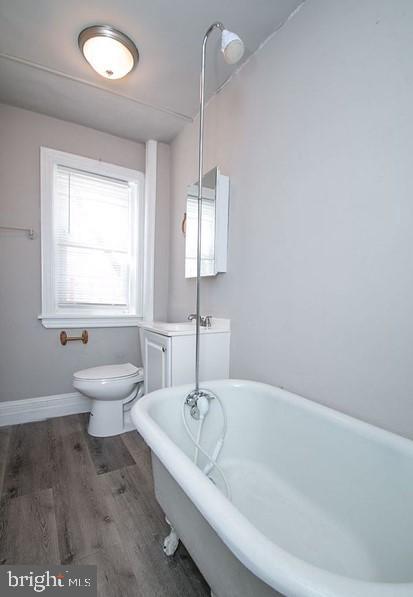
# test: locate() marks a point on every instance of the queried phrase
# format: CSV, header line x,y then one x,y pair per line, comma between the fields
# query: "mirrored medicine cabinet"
x,y
214,234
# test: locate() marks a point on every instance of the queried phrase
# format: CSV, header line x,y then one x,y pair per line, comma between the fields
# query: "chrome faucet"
x,y
205,321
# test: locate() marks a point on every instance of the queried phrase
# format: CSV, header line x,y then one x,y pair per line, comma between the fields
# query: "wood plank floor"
x,y
72,499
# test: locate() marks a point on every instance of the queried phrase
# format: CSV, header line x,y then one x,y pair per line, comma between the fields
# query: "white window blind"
x,y
94,235
93,247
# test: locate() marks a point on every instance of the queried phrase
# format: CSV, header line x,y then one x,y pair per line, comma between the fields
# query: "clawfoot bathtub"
x,y
320,505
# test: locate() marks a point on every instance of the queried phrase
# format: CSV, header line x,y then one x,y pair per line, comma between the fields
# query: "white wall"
x,y
32,361
162,225
316,133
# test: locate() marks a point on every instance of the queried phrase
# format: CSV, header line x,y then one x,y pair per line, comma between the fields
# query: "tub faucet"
x,y
205,321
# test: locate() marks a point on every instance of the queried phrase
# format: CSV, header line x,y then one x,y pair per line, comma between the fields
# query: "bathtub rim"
x,y
280,569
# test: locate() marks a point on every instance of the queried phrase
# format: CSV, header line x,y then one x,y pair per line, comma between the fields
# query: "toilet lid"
x,y
108,372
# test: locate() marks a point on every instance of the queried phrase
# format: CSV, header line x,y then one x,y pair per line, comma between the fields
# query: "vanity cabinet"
x,y
168,353
157,361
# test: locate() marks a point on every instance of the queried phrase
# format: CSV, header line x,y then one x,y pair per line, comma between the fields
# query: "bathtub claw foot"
x,y
170,544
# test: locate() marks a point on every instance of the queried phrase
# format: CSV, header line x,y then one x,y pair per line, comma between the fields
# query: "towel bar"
x,y
29,231
64,338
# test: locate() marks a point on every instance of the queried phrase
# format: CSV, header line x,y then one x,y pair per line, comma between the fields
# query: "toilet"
x,y
112,389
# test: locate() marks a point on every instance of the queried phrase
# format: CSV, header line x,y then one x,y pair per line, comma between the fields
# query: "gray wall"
x,y
316,133
32,361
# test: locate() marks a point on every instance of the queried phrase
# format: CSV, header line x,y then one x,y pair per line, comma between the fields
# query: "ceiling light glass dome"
x,y
109,52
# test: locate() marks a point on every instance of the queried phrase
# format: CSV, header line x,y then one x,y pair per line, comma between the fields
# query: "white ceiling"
x,y
160,95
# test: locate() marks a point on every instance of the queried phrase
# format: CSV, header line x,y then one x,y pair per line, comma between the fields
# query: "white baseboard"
x,y
27,410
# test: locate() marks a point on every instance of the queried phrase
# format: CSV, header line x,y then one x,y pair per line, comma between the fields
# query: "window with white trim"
x,y
92,242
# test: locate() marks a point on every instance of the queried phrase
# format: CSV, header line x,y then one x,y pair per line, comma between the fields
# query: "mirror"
x,y
214,235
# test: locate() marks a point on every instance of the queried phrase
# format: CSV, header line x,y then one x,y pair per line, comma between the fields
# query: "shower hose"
x,y
203,406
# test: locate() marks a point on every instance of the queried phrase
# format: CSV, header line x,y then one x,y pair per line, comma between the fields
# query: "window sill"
x,y
103,321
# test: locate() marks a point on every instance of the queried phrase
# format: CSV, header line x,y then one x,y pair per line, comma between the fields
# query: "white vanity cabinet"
x,y
168,353
157,361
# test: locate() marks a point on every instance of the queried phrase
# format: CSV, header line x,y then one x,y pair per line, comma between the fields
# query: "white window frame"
x,y
50,316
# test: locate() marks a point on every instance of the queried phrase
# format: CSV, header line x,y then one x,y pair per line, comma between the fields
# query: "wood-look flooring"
x,y
69,498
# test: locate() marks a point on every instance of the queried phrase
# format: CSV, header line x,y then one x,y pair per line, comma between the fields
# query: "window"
x,y
92,242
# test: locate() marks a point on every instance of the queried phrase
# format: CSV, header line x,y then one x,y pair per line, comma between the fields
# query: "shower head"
x,y
232,46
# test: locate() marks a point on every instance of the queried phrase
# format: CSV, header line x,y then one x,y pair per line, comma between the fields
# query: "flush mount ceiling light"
x,y
109,52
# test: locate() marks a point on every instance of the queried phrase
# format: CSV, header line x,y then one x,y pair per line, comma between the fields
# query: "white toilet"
x,y
113,389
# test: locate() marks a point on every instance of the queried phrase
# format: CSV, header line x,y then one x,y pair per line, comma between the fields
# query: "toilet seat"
x,y
106,373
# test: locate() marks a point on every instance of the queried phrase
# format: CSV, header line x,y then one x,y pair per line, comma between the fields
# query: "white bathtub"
x,y
322,504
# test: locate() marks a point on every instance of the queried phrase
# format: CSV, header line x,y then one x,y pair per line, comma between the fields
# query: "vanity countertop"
x,y
187,328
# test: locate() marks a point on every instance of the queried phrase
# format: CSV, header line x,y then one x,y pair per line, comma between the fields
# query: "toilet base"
x,y
106,418
109,417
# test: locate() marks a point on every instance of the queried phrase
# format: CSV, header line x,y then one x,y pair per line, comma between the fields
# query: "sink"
x,y
176,327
